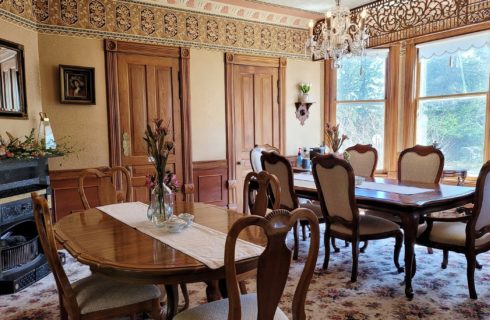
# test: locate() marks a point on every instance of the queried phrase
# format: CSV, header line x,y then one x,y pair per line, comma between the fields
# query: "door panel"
x,y
256,115
147,90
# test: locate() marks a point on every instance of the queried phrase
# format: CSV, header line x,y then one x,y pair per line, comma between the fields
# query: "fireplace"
x,y
22,261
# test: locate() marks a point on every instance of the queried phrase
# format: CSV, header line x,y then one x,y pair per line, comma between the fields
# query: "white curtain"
x,y
454,44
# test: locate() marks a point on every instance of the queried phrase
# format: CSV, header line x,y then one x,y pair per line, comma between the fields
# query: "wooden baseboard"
x,y
210,182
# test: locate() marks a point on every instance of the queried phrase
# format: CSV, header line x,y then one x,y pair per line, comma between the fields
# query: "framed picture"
x,y
77,85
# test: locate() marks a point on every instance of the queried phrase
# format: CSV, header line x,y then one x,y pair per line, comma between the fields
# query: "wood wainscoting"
x,y
210,178
65,197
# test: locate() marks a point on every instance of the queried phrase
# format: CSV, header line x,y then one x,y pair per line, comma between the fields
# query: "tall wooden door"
x,y
148,88
256,114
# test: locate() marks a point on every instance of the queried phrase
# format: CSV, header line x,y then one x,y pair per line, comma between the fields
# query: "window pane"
x,y
458,126
363,123
461,72
370,85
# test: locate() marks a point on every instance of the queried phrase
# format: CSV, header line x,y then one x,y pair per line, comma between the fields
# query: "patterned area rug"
x,y
378,293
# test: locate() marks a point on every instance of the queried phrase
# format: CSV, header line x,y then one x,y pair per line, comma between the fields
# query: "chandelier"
x,y
339,37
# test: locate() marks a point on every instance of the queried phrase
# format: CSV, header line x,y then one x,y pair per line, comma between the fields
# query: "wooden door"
x,y
148,86
257,117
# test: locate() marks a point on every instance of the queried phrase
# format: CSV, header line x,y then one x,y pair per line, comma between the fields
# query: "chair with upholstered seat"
x,y
334,180
272,272
96,296
363,158
468,234
279,166
106,189
257,190
256,154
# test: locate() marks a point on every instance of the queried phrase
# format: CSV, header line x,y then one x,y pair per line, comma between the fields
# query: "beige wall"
x,y
28,38
311,134
208,121
85,126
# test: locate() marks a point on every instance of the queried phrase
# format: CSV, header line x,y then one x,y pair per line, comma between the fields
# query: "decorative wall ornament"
x,y
282,40
18,5
212,30
170,24
392,21
192,27
147,21
231,33
123,18
248,36
265,38
96,13
69,11
40,9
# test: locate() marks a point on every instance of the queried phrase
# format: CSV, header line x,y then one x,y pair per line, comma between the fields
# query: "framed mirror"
x,y
13,102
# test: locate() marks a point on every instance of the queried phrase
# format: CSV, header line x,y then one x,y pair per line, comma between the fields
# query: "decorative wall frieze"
x,y
142,22
393,21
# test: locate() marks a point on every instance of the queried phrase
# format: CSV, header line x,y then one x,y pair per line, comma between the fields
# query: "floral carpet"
x,y
377,294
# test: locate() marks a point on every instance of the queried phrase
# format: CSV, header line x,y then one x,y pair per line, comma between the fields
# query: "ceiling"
x,y
316,5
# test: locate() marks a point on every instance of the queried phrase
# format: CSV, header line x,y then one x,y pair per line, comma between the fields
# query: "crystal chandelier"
x,y
339,37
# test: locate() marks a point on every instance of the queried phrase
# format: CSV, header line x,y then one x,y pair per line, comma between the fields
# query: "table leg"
x,y
172,300
213,290
410,226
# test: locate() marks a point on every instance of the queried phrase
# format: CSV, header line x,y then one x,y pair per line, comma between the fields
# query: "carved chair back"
x,y
479,222
334,180
420,164
278,165
106,189
256,153
44,227
257,190
363,159
274,263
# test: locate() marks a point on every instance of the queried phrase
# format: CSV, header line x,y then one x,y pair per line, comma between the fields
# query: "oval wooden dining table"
x,y
117,250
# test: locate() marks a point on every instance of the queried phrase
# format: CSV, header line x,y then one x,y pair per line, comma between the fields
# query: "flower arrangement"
x,y
30,147
304,87
334,140
158,147
170,180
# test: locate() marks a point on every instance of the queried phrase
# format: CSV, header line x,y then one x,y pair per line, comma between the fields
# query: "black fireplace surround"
x,y
22,261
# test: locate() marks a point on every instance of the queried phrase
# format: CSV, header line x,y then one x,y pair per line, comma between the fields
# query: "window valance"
x,y
453,45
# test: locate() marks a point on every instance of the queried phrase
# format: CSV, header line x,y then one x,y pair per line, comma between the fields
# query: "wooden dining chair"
x,y
257,191
334,180
256,154
106,189
272,272
279,166
363,159
468,234
96,296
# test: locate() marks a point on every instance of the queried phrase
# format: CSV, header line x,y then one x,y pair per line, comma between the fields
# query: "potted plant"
x,y
304,89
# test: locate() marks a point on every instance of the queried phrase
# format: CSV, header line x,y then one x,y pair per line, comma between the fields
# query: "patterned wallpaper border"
x,y
127,20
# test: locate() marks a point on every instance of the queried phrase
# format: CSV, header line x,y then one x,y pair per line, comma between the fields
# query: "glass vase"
x,y
161,205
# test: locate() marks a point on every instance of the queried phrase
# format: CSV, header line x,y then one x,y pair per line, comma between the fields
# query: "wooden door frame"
x,y
112,48
232,61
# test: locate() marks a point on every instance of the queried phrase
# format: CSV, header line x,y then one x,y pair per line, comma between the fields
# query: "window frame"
x,y
417,82
390,105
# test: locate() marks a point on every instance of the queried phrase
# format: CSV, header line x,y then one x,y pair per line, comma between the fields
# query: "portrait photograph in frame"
x,y
77,85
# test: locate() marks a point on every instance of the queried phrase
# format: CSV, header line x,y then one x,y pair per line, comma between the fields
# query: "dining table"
x,y
117,250
410,201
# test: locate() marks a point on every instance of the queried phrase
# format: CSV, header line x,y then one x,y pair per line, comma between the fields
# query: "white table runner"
x,y
200,242
405,190
304,177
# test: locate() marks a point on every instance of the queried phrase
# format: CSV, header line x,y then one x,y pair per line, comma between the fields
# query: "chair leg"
x,y
296,241
355,260
303,231
414,265
470,273
243,287
185,293
326,241
63,313
398,247
334,246
156,310
364,247
445,258
346,243
429,250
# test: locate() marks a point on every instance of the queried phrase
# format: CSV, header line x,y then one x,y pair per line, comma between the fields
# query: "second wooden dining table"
x,y
409,207
117,250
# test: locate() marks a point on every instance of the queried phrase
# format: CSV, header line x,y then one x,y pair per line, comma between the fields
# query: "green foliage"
x,y
304,87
